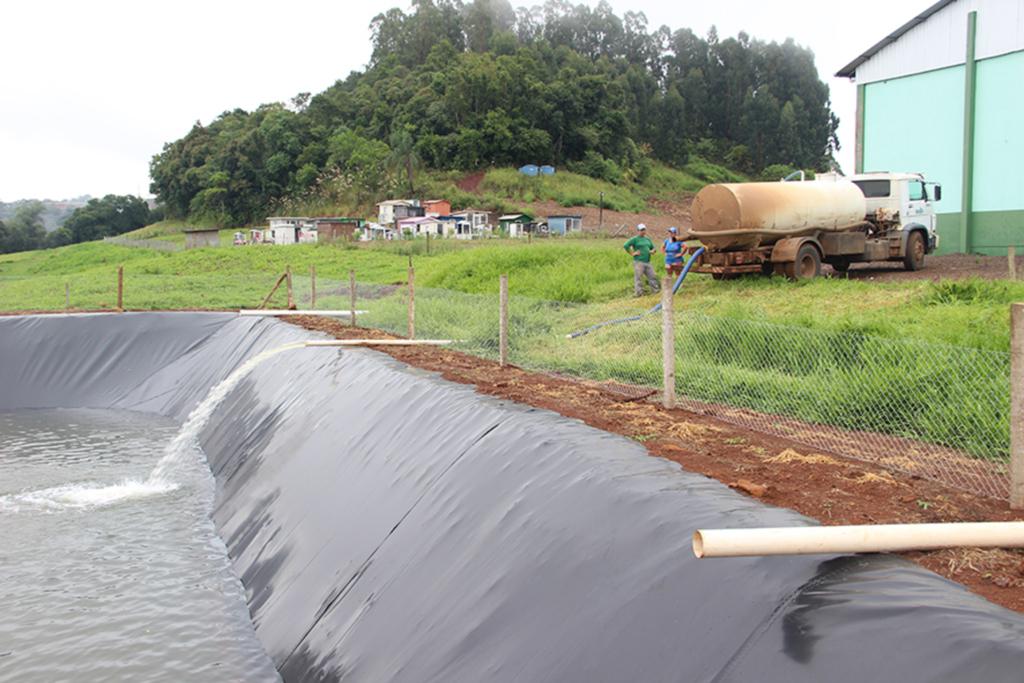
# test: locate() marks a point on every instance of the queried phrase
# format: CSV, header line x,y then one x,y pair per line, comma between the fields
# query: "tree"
x,y
404,156
112,215
26,231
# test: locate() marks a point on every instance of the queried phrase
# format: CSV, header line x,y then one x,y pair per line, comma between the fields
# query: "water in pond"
x,y
110,568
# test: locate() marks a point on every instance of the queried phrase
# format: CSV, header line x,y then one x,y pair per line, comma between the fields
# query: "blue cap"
x,y
672,230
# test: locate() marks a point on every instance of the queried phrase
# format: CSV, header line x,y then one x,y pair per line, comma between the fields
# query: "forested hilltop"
x,y
464,87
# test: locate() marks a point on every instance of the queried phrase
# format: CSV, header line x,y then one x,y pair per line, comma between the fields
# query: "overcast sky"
x,y
90,91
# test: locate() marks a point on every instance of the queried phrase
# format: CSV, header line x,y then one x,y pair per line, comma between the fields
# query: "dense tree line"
x,y
112,215
464,86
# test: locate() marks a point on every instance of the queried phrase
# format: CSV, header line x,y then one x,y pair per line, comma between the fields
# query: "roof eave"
x,y
850,70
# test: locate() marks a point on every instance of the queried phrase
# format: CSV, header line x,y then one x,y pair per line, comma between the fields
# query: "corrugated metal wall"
x,y
941,41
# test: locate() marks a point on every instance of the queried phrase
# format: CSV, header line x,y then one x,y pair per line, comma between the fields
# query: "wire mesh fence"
x,y
160,245
934,411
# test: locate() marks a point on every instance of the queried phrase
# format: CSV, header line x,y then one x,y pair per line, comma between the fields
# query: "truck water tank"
x,y
759,209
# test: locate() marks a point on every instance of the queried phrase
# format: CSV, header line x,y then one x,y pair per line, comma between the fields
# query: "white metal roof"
x,y
937,38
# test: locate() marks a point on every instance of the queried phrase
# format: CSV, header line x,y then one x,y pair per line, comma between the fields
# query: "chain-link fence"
x,y
935,411
160,245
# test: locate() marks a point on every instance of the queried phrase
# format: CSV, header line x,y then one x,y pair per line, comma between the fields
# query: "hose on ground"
x,y
675,287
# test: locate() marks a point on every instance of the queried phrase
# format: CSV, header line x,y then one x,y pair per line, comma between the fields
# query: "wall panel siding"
x,y
941,41
936,44
915,124
999,135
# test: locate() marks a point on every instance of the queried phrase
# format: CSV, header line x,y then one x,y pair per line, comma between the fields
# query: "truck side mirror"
x,y
938,192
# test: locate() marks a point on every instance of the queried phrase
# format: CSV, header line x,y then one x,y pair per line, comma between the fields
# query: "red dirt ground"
x,y
826,487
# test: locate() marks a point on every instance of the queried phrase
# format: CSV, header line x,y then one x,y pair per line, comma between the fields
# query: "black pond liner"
x,y
391,526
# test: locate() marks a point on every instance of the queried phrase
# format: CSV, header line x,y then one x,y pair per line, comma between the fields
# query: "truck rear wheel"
x,y
807,265
914,260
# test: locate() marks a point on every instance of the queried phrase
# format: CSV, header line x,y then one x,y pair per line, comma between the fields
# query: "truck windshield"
x,y
916,190
873,188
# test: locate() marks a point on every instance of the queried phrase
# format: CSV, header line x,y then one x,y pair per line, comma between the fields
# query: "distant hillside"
x,y
470,87
55,214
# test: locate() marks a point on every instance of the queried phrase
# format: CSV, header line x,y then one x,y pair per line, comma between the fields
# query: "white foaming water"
x,y
139,591
180,448
181,451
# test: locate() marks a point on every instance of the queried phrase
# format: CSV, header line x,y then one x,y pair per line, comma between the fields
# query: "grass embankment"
x,y
972,314
829,351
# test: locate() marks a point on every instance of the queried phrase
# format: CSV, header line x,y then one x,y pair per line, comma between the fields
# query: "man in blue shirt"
x,y
640,247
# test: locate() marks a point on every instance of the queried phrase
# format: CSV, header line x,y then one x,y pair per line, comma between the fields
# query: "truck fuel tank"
x,y
731,216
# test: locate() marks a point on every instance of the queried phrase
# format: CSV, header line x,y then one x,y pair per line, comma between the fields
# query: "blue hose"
x,y
679,281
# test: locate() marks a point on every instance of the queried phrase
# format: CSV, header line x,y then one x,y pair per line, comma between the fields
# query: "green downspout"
x,y
858,149
970,93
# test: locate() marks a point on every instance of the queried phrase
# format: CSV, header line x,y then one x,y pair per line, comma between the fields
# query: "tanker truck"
x,y
791,228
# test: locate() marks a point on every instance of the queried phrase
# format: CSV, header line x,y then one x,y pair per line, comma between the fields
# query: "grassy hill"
x,y
593,270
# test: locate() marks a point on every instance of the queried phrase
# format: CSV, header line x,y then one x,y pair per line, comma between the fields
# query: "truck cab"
x,y
901,202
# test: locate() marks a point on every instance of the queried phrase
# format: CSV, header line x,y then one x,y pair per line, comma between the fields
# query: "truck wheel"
x,y
914,260
840,266
807,265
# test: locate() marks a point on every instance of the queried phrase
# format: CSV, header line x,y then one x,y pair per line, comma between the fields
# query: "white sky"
x,y
90,91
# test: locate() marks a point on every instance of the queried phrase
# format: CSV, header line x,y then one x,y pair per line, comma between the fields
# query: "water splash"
x,y
181,447
179,453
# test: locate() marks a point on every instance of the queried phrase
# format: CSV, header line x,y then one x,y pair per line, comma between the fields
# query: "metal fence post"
x,y
1017,406
120,287
1011,253
312,287
503,321
668,343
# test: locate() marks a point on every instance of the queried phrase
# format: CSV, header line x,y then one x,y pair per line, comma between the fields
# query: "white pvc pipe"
x,y
262,311
380,342
877,538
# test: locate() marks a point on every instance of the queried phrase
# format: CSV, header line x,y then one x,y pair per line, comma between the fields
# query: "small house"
x,y
563,225
289,230
514,223
196,239
471,223
335,229
437,207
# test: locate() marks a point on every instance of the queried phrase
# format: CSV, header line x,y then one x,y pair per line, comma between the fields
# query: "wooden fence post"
x,y
312,288
352,291
412,304
288,276
1017,406
120,287
668,343
503,321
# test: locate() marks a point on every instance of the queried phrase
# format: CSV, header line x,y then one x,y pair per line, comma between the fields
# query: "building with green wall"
x,y
944,95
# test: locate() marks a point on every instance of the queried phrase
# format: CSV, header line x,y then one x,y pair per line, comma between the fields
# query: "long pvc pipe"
x,y
877,538
380,342
333,314
675,288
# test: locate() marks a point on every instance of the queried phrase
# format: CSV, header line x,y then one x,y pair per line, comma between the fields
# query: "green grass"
x,y
973,314
909,358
